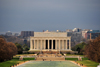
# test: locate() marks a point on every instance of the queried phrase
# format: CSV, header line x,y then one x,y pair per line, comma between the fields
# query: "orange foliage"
x,y
92,50
7,50
3,50
13,47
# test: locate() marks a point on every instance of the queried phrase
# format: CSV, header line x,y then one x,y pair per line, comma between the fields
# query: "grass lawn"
x,y
88,63
13,62
73,59
84,61
74,55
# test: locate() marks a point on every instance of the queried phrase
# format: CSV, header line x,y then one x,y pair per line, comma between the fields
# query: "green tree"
x,y
24,45
79,47
26,48
19,48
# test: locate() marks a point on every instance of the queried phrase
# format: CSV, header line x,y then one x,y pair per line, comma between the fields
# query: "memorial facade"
x,y
50,41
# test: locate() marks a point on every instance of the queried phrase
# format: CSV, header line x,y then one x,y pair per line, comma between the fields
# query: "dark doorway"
x,y
50,44
53,44
46,44
67,44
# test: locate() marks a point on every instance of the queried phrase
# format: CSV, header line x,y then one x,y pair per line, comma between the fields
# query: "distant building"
x,y
84,32
16,34
92,34
27,33
75,36
87,30
25,41
77,30
69,30
94,31
9,33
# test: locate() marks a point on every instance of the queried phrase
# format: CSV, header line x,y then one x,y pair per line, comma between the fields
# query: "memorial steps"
x,y
50,57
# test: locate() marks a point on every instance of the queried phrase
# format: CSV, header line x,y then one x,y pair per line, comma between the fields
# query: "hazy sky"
x,y
39,15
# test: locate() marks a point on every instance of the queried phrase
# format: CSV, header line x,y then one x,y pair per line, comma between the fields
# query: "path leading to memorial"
x,y
48,64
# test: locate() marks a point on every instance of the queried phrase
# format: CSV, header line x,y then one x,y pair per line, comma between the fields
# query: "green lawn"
x,y
28,59
74,55
73,59
84,61
88,63
13,62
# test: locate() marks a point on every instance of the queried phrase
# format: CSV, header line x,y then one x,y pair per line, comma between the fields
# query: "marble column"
x,y
70,44
31,44
34,44
66,44
48,44
37,44
52,44
62,44
59,44
44,45
41,44
56,44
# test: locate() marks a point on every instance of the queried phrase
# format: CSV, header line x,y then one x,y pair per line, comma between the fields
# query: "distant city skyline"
x,y
42,30
37,15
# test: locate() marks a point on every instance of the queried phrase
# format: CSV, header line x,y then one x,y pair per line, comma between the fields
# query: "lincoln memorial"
x,y
50,41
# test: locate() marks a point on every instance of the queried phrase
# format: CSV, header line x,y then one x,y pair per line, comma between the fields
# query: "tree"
x,y
19,48
79,47
2,38
7,50
92,50
26,48
3,49
13,48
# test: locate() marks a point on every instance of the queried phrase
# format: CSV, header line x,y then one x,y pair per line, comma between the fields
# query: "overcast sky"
x,y
39,15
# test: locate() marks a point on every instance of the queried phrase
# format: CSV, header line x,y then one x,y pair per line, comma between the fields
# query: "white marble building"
x,y
50,41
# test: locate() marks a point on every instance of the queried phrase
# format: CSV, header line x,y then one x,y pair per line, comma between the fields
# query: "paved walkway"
x,y
48,64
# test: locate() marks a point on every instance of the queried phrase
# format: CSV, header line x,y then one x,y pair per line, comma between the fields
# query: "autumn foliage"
x,y
7,50
92,50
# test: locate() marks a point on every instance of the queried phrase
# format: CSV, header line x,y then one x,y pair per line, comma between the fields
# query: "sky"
x,y
39,15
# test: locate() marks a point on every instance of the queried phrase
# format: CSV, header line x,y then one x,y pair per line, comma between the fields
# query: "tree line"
x,y
7,50
90,50
80,48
